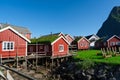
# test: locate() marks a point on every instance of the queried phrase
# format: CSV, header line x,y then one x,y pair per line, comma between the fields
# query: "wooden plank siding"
x,y
19,44
40,49
55,48
83,44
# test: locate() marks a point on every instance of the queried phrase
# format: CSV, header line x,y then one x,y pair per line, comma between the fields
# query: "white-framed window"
x,y
81,44
7,45
112,44
117,43
61,48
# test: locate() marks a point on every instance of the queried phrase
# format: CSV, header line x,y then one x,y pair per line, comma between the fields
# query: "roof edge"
x,y
9,27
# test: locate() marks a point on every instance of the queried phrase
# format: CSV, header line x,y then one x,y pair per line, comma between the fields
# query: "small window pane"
x,y
7,46
61,48
4,46
11,45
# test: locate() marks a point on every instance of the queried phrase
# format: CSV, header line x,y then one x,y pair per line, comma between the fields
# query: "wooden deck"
x,y
7,60
68,55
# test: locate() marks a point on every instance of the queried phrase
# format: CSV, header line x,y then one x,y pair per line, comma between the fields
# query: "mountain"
x,y
112,25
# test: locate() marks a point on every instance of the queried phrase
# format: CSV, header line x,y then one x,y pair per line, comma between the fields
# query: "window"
x,y
61,48
112,44
41,48
117,43
83,44
7,46
31,49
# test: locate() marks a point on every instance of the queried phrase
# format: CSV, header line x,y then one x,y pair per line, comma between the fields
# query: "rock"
x,y
90,71
31,72
38,76
89,77
112,78
117,75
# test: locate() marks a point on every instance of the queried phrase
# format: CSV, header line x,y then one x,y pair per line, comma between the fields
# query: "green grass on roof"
x,y
45,39
76,39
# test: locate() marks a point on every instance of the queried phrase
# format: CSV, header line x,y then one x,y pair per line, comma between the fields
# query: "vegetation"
x,y
45,39
96,56
86,64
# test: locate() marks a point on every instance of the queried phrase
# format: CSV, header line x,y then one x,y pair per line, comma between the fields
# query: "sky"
x,y
41,17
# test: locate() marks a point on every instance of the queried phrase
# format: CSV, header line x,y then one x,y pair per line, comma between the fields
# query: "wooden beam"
x,y
18,72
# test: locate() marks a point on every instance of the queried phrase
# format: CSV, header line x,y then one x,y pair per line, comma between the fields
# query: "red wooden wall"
x,y
83,44
55,48
42,49
69,39
19,44
113,40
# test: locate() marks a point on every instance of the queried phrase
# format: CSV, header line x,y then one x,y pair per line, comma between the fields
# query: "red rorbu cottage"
x,y
22,30
109,41
69,38
12,43
82,43
49,45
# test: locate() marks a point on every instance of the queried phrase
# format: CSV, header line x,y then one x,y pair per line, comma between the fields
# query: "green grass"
x,y
92,55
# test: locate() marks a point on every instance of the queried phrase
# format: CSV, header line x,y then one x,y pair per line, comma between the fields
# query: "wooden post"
x,y
36,53
26,62
17,53
119,49
107,51
52,65
1,59
36,60
17,60
46,63
58,63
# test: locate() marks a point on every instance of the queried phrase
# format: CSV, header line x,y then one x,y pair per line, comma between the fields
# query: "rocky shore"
x,y
73,71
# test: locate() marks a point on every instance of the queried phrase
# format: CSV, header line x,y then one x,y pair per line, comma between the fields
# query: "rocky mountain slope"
x,y
112,25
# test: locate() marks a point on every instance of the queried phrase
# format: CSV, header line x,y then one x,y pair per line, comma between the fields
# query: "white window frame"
x,y
81,44
117,43
112,44
5,46
61,48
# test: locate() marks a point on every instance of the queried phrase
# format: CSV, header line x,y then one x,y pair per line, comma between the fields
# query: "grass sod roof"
x,y
45,39
77,39
105,38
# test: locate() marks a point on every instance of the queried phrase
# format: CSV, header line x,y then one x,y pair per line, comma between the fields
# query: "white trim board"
x,y
60,38
15,32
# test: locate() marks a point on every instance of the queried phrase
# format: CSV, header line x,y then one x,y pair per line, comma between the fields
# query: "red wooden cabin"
x,y
82,43
69,38
110,41
49,45
12,43
22,30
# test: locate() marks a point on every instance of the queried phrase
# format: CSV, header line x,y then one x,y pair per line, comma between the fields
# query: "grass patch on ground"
x,y
92,55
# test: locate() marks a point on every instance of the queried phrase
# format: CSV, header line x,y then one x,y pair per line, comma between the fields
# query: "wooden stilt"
x,y
26,62
46,63
52,65
58,63
107,50
33,62
36,60
17,62
1,59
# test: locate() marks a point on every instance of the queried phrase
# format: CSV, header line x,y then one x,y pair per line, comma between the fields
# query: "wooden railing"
x,y
110,51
